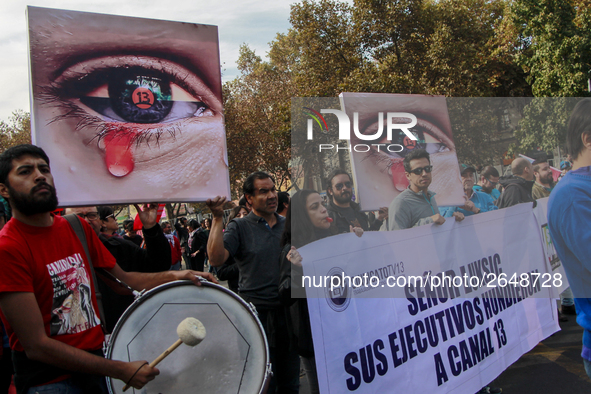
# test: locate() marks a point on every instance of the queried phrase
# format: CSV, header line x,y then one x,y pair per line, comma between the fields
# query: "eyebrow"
x,y
26,166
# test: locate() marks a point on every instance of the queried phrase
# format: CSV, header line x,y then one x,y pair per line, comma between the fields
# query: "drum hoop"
x,y
150,293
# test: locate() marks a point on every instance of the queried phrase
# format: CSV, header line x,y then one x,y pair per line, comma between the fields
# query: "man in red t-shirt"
x,y
46,290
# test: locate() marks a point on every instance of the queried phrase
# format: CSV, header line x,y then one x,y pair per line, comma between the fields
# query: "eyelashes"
x,y
101,129
140,96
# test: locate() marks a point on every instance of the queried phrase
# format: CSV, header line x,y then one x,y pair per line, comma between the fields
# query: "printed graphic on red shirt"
x,y
72,310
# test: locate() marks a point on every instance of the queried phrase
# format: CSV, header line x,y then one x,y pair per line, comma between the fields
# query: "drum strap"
x,y
74,221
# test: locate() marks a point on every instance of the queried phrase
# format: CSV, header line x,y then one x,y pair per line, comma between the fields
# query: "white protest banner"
x,y
386,331
551,258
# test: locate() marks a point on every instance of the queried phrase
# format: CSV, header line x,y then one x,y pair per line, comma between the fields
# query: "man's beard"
x,y
342,200
31,204
550,179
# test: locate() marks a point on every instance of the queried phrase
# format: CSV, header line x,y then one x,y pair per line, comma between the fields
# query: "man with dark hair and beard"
x,y
346,213
56,338
544,180
42,197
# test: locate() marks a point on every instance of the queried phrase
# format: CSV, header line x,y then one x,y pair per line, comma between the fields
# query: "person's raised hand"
x,y
469,206
216,206
294,257
148,215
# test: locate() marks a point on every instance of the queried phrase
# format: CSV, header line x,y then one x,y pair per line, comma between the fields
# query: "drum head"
x,y
231,359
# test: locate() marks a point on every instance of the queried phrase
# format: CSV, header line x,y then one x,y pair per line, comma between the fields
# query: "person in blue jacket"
x,y
476,202
489,179
569,215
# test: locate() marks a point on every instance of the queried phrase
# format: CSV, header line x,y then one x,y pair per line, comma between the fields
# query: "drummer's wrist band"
x,y
135,373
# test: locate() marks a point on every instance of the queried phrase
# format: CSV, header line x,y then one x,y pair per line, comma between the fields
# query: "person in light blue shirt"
x,y
569,213
476,202
489,178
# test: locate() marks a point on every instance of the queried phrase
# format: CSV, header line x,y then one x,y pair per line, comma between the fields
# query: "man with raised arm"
x,y
476,202
46,290
254,243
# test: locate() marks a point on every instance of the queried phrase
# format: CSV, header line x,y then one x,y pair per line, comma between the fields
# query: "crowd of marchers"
x,y
58,343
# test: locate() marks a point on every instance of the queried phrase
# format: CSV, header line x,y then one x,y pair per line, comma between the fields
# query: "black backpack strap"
x,y
74,221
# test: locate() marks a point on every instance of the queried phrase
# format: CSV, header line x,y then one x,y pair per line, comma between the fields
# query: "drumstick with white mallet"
x,y
190,331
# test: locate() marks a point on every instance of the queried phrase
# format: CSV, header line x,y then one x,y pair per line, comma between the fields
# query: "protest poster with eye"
x,y
382,127
127,109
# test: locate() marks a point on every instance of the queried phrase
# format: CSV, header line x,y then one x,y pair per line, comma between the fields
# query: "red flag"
x,y
137,223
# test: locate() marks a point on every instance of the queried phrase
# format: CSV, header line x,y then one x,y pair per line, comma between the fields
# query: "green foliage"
x,y
544,123
555,45
450,47
16,131
476,127
257,107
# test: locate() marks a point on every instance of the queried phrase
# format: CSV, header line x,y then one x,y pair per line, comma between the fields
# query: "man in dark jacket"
x,y
344,212
183,235
130,257
198,244
517,187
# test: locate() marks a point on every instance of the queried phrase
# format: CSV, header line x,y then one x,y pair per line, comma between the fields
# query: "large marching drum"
x,y
233,357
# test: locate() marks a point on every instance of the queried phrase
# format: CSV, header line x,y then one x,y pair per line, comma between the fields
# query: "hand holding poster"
x,y
128,109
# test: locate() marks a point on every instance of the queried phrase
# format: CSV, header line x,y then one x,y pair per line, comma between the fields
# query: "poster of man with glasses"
x,y
377,160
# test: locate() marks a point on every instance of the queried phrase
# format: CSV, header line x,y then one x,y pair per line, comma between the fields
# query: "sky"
x,y
255,23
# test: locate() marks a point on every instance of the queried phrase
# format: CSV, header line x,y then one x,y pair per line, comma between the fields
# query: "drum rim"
x,y
150,293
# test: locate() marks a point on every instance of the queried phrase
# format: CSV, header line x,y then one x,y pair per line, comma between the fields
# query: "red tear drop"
x,y
119,153
398,177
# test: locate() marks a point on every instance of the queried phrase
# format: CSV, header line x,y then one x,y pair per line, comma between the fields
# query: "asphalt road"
x,y
553,366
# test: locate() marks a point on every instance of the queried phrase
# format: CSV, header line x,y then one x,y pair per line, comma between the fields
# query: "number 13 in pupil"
x,y
143,98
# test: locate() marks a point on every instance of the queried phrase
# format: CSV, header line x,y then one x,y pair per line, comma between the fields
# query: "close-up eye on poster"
x,y
127,108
